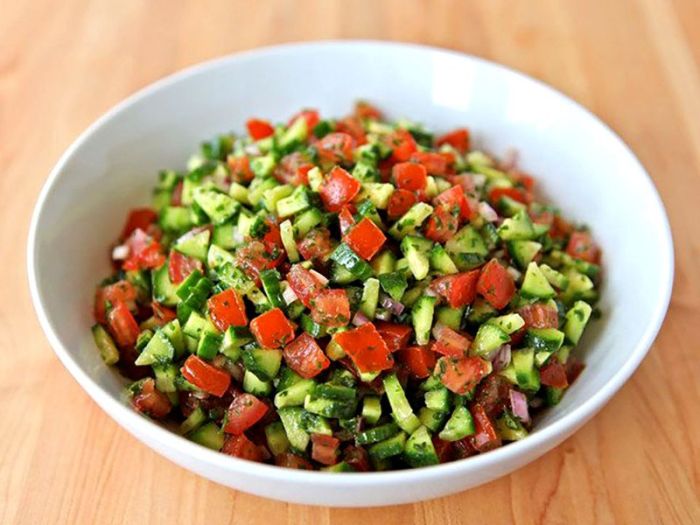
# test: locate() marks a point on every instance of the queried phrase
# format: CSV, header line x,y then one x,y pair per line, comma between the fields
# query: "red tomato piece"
x,y
353,127
259,129
434,163
227,309
366,348
162,314
513,193
410,176
458,289
242,447
122,325
461,375
338,189
366,239
495,284
254,257
311,117
144,252
485,437
403,145
324,449
151,401
244,412
206,377
121,291
450,342
400,202
346,220
239,167
289,460
539,315
458,139
419,360
356,457
336,147
443,449
272,329
442,224
331,308
293,169
582,247
305,357
176,198
180,266
365,110
139,219
396,336
455,197
554,374
316,245
306,285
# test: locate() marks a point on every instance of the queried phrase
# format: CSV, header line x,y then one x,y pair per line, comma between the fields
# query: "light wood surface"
x,y
634,63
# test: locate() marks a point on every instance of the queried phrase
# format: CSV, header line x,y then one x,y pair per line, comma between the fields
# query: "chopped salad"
x,y
347,295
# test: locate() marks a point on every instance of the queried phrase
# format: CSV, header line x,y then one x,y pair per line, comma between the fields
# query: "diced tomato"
x,y
311,117
465,180
513,193
353,127
293,169
396,336
244,412
289,460
366,239
400,202
366,348
495,284
272,329
554,374
458,139
574,367
331,308
346,220
144,252
316,245
122,325
539,315
458,289
434,163
485,437
324,449
443,449
450,342
139,219
455,197
239,167
206,377
419,360
582,247
254,257
306,285
227,309
180,266
442,224
493,393
162,314
560,228
259,129
461,375
336,147
366,110
151,401
403,145
121,291
338,189
305,357
410,176
242,447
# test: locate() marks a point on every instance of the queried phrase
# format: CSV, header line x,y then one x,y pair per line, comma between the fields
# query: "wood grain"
x,y
634,63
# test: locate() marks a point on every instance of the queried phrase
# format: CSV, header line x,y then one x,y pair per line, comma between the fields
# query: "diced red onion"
x,y
487,212
121,252
359,319
395,306
501,358
288,295
252,149
479,179
321,278
382,314
518,405
430,292
515,274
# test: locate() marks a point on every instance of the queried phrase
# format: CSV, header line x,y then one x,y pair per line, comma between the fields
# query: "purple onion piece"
x,y
387,302
501,358
383,315
359,319
518,405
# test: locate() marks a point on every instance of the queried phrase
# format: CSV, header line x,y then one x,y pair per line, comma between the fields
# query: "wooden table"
x,y
62,64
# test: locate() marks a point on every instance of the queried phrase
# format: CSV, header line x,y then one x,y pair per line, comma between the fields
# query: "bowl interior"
x,y
580,165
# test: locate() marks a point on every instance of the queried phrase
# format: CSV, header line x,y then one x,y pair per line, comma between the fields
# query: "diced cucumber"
x,y
105,344
526,375
488,338
377,434
450,317
225,236
459,426
209,435
400,407
276,438
306,221
384,263
378,193
270,280
394,284
263,362
217,257
419,450
466,248
291,418
294,134
342,466
389,447
163,288
555,278
416,250
159,350
239,193
441,261
315,424
194,244
256,386
315,177
195,420
166,375
296,202
509,323
175,219
173,331
523,252
208,346
411,220
481,311
544,339
517,228
422,316
262,167
295,394
438,399
535,284
432,419
371,409
353,263
370,297
576,319
509,428
335,408
217,205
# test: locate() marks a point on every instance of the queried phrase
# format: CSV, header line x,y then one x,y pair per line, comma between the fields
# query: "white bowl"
x,y
582,165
